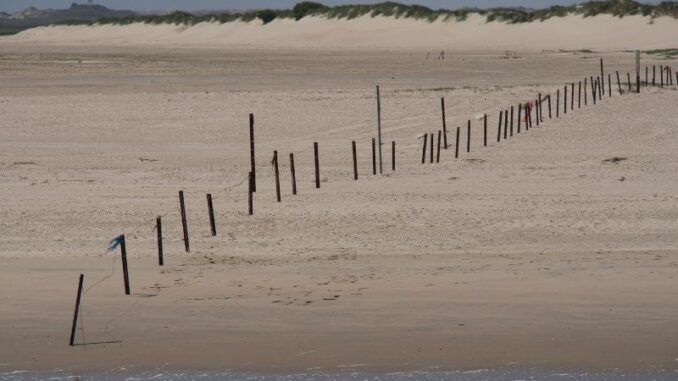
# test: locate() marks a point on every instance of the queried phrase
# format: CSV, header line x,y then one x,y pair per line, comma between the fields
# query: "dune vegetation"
x,y
617,8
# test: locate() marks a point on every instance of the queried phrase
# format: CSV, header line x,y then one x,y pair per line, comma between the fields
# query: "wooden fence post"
x,y
456,149
442,106
125,270
374,156
277,176
293,175
184,222
438,150
423,152
252,161
210,212
158,227
77,310
501,114
355,161
250,199
317,165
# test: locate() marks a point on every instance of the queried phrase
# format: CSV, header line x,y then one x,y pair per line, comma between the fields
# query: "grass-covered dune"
x,y
618,8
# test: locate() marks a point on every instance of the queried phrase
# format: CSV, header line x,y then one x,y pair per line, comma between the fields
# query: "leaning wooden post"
x,y
252,161
423,151
511,128
158,228
374,157
431,161
77,310
619,83
250,199
485,130
442,107
277,176
572,96
393,156
601,89
501,114
293,175
355,161
593,91
565,101
506,124
579,96
381,167
440,133
210,211
520,115
557,103
586,87
125,270
528,113
468,136
184,222
317,165
456,147
609,84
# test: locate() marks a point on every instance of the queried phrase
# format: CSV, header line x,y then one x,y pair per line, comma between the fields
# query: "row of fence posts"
x,y
506,117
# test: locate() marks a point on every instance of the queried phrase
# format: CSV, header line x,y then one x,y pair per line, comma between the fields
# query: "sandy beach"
x,y
542,250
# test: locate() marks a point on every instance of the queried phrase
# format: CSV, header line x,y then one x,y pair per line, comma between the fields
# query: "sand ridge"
x,y
602,32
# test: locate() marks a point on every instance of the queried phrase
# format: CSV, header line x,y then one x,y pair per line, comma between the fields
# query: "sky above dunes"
x,y
145,5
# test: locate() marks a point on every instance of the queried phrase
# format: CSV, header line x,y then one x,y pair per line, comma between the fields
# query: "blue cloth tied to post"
x,y
115,242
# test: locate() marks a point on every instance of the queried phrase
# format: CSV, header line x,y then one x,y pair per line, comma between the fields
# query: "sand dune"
x,y
602,32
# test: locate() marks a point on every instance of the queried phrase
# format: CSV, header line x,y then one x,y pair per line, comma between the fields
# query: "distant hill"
x,y
32,17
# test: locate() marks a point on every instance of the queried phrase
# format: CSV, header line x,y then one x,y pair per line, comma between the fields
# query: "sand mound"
x,y
603,32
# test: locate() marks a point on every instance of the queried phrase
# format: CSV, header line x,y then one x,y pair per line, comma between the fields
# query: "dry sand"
x,y
529,252
603,32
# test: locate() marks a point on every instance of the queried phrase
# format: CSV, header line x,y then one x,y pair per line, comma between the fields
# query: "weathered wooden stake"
x,y
661,75
77,310
355,161
579,96
528,112
184,222
536,112
520,115
210,211
423,152
602,77
442,107
609,84
511,128
619,83
456,147
277,176
293,175
440,133
158,227
250,199
506,124
654,75
125,270
586,87
572,96
601,89
548,97
593,91
468,136
485,130
501,114
254,170
557,103
374,157
393,156
628,79
565,100
381,162
431,156
647,69
317,165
